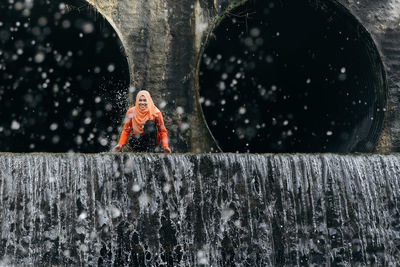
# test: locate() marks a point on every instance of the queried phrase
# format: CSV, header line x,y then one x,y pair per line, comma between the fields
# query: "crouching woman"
x,y
144,125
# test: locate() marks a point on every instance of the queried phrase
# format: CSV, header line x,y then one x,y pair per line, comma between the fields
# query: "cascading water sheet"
x,y
209,209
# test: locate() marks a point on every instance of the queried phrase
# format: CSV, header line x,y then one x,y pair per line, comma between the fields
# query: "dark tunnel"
x,y
63,77
292,76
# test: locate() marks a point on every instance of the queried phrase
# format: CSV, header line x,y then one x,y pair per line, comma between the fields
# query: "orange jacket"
x,y
162,134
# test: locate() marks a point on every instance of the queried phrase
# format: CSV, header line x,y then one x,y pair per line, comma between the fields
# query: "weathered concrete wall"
x,y
163,41
381,18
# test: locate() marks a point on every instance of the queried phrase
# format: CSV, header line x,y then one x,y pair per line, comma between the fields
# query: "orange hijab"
x,y
141,116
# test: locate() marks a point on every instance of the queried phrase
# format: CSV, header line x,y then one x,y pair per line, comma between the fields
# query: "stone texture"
x,y
381,18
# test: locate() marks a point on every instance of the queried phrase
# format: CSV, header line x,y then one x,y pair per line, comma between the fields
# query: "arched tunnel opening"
x,y
292,76
63,77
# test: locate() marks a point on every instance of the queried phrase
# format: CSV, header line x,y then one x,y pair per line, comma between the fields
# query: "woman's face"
x,y
142,102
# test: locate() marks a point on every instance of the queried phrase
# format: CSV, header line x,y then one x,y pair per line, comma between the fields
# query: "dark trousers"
x,y
147,141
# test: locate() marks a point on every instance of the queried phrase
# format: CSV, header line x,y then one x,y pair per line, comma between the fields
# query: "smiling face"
x,y
142,102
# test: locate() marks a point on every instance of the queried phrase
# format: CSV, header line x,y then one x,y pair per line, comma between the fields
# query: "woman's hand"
x,y
117,148
167,150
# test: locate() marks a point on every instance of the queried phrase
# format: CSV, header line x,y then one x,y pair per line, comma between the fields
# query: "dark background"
x,y
286,76
63,78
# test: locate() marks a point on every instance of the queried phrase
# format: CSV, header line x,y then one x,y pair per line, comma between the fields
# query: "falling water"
x,y
214,209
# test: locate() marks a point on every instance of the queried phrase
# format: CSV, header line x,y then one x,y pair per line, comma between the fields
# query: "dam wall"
x,y
199,209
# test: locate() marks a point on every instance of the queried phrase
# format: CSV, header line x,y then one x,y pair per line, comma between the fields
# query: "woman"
x,y
147,125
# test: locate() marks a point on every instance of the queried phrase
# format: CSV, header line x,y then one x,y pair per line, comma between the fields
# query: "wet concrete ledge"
x,y
193,209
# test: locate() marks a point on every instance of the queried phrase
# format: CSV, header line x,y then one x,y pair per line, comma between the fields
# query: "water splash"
x,y
218,209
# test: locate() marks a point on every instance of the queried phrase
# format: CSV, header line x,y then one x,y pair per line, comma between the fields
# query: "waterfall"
x,y
199,209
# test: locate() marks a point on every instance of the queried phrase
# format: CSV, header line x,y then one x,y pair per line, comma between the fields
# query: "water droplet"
x,y
115,213
136,187
179,110
15,125
83,215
